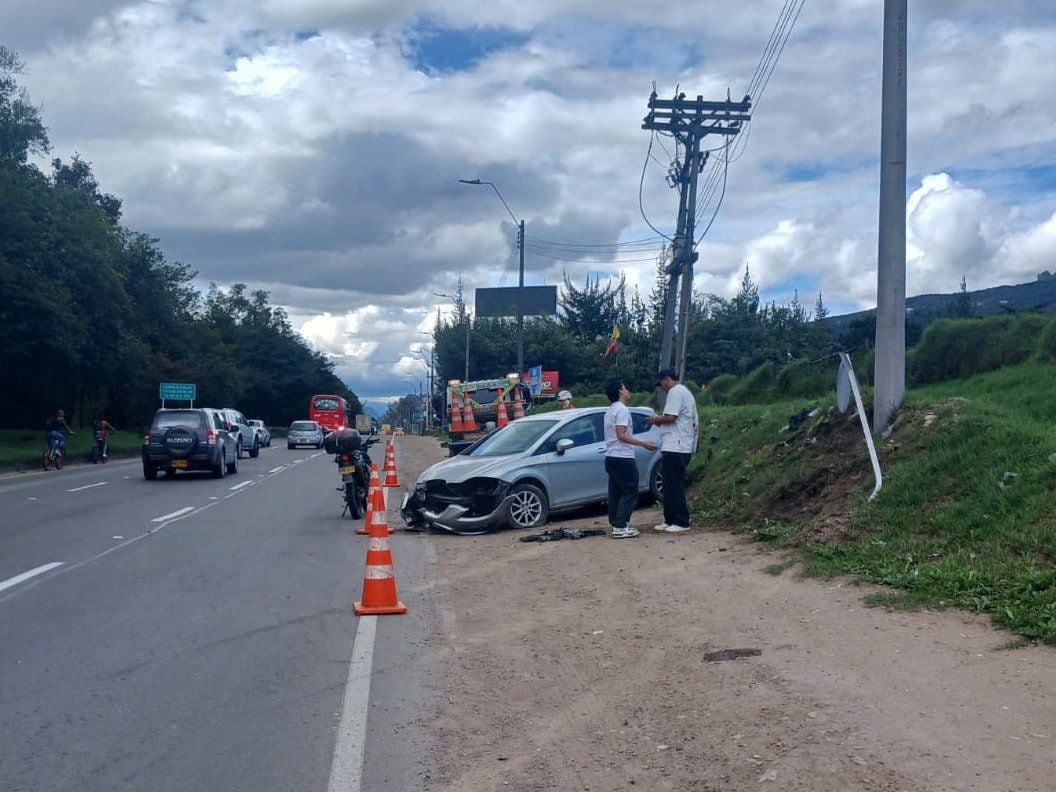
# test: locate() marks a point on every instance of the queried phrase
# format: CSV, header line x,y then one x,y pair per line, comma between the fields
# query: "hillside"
x,y
1038,295
967,513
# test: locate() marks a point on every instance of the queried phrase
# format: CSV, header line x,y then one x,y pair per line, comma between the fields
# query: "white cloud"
x,y
297,146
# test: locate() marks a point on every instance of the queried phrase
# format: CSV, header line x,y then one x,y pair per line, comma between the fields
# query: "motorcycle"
x,y
353,465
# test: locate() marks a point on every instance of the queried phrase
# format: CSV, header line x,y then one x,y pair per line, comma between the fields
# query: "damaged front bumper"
x,y
473,508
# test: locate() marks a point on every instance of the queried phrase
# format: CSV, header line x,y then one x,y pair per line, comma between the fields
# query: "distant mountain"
x,y
1039,295
375,409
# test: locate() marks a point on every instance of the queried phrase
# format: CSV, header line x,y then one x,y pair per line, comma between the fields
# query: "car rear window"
x,y
303,426
326,404
177,418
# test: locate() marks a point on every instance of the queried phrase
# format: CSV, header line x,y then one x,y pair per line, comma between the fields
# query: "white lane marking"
x,y
31,574
346,771
150,532
88,486
240,486
278,469
176,513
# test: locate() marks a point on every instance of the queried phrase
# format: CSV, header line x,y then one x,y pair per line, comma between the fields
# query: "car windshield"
x,y
512,439
303,426
177,418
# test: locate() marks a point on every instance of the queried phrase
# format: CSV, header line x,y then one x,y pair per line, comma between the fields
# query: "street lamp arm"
x,y
496,189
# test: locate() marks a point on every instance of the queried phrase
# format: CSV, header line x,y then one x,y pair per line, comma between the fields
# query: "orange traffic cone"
x,y
456,413
468,421
379,526
518,406
501,418
391,476
379,581
372,508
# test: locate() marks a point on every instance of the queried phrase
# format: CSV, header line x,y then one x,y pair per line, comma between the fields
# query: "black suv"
x,y
189,439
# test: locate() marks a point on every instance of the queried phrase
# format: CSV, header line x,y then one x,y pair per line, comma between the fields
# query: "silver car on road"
x,y
517,475
304,433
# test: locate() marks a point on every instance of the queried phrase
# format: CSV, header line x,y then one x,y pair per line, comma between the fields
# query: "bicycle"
x,y
53,456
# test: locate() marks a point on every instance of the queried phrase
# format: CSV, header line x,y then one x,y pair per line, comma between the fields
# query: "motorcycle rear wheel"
x,y
354,500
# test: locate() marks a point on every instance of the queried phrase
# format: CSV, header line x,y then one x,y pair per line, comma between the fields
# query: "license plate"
x,y
179,463
347,470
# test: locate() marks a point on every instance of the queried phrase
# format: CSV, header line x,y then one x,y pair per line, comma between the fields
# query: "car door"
x,y
643,457
578,475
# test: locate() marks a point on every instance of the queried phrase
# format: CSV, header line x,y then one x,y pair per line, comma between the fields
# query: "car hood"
x,y
461,468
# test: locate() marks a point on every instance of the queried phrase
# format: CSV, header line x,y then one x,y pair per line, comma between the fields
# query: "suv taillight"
x,y
344,457
210,437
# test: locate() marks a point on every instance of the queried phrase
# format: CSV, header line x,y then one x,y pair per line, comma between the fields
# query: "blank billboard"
x,y
538,301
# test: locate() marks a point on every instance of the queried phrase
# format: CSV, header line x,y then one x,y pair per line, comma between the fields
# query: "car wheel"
x,y
254,451
238,450
289,446
656,483
220,470
232,466
150,472
529,508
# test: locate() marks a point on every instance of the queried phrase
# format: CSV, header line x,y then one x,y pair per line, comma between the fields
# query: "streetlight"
x,y
520,272
453,299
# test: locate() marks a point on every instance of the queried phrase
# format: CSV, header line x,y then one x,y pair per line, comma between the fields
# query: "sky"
x,y
312,148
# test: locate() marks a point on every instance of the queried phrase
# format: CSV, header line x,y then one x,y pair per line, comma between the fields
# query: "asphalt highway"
x,y
193,633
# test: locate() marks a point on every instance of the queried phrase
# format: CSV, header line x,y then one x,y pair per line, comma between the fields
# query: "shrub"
x,y
957,348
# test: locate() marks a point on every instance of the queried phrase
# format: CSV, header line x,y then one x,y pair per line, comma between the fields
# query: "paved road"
x,y
196,634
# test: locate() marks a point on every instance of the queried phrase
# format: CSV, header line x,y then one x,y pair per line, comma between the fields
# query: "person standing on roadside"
x,y
678,441
619,461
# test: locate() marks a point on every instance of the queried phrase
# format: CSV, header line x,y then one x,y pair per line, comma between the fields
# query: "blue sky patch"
x,y
444,49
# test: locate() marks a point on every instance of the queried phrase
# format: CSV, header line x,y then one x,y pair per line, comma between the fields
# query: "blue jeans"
x,y
53,436
623,490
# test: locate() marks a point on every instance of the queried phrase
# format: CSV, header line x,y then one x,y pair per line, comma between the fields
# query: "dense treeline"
x,y
93,317
726,336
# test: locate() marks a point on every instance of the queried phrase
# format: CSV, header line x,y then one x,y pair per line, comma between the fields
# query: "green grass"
x,y
967,514
24,448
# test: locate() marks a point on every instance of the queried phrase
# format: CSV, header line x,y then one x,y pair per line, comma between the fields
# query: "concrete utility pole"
x,y
889,373
688,121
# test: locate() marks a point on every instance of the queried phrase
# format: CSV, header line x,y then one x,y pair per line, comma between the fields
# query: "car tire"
x,y
150,472
656,483
232,466
220,470
238,450
530,507
254,451
289,446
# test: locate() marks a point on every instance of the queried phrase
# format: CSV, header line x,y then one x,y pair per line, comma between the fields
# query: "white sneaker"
x,y
624,533
676,528
660,528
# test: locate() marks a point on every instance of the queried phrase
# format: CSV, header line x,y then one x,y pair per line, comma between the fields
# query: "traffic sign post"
x,y
180,391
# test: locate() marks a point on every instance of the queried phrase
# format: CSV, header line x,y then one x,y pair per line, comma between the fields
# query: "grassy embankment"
x,y
967,513
22,449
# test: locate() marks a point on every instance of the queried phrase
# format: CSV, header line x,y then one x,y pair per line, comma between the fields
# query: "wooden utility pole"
x,y
688,120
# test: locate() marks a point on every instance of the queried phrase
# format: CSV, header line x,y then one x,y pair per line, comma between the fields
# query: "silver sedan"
x,y
519,474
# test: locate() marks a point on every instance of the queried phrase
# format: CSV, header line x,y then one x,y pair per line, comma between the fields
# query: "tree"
x,y
820,309
21,130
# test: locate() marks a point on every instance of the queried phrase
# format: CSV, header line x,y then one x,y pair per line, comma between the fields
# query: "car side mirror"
x,y
232,428
563,445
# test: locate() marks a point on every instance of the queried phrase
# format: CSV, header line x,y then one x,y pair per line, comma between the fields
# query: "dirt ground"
x,y
587,665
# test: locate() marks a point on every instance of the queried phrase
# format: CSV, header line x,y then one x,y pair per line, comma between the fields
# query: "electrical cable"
x,y
641,185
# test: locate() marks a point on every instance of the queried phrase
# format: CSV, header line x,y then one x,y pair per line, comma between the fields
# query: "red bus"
x,y
329,411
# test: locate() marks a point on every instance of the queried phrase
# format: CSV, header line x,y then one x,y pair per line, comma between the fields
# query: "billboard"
x,y
538,301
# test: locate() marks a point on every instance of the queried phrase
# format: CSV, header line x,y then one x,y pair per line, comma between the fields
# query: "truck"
x,y
483,398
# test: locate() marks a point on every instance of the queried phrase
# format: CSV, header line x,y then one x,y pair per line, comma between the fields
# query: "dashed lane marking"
x,y
30,574
176,513
88,486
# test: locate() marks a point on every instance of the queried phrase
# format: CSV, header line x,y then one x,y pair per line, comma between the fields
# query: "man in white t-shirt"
x,y
678,440
619,461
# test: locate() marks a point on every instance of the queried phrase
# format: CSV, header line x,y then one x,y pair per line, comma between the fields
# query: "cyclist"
x,y
53,430
101,429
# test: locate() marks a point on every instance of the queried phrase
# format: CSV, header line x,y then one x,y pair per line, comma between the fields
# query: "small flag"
x,y
614,342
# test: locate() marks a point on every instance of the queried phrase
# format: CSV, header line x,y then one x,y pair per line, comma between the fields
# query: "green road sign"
x,y
187,391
